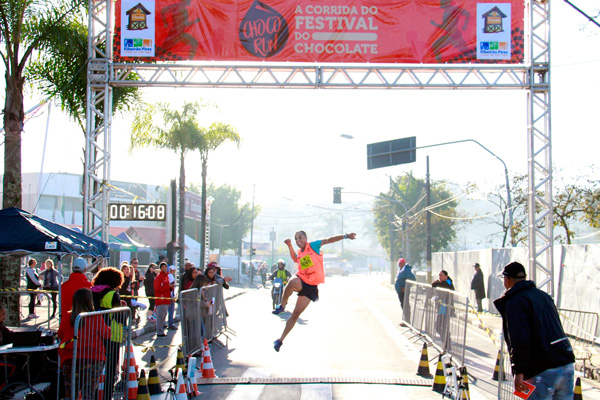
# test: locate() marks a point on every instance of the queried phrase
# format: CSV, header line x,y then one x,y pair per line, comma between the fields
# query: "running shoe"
x,y
278,311
277,345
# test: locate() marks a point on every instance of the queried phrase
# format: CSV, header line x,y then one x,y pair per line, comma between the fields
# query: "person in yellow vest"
x,y
310,274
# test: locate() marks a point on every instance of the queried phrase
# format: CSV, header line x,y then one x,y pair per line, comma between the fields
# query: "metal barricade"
x,y
100,367
203,316
214,311
581,327
503,373
438,314
191,321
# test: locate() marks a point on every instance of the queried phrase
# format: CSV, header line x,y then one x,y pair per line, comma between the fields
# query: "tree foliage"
x,y
180,132
411,191
229,220
24,25
60,70
574,200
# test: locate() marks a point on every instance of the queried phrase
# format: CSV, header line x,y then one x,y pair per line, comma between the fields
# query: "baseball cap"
x,y
476,265
401,260
172,268
212,264
79,264
514,270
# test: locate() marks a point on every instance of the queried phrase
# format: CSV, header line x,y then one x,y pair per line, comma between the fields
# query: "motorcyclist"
x,y
280,273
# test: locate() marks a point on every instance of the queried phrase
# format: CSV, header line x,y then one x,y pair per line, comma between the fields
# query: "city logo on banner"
x,y
493,31
263,32
138,38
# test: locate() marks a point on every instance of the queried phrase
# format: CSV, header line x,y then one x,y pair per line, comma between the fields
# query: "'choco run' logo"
x,y
263,31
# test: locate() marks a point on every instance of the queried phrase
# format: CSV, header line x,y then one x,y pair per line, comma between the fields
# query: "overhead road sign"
x,y
392,152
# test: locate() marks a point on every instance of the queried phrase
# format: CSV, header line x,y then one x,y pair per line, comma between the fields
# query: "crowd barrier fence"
x,y
439,315
203,316
100,367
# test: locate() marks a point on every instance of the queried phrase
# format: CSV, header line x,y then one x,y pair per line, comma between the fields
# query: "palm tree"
x,y
180,133
24,24
213,137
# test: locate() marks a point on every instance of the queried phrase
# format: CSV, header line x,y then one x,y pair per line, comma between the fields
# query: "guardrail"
x,y
439,315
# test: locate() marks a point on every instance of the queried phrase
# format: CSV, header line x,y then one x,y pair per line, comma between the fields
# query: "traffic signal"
x,y
252,251
337,195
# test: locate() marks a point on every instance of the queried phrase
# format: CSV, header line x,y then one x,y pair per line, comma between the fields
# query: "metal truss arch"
x,y
532,76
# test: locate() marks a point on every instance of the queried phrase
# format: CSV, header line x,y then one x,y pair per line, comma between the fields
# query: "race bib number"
x,y
306,262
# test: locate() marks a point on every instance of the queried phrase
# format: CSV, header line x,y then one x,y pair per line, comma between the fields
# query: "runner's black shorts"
x,y
310,291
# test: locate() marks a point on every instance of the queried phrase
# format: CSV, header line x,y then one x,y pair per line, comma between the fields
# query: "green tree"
x,y
24,24
60,71
229,218
410,191
217,134
179,132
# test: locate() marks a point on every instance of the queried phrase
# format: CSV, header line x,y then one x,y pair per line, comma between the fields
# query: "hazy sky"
x,y
291,138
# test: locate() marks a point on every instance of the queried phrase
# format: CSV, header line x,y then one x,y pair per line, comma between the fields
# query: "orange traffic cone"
x,y
439,381
207,366
577,391
143,392
132,380
180,360
101,384
192,385
153,380
423,369
180,392
498,375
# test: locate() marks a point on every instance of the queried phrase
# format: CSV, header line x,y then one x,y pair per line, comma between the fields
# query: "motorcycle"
x,y
277,293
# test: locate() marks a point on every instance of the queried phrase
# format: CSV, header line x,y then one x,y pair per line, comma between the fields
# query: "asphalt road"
x,y
351,332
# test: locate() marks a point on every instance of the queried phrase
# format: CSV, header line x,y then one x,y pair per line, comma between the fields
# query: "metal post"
x,y
428,221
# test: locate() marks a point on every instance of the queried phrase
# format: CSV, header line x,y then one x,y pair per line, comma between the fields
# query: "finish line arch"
x,y
533,76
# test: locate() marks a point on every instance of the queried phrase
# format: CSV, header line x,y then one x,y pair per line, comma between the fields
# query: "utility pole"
x,y
252,225
428,193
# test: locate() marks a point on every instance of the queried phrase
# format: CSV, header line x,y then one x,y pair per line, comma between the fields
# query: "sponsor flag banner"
x,y
337,31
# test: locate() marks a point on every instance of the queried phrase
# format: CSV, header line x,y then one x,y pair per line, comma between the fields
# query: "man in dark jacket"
x,y
540,352
478,286
404,273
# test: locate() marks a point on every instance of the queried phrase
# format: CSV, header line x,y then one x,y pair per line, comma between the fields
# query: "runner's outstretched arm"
x,y
337,238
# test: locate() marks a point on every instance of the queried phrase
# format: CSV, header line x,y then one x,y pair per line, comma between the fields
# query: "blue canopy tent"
x,y
23,233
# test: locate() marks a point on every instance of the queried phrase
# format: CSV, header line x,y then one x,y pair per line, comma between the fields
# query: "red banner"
x,y
357,31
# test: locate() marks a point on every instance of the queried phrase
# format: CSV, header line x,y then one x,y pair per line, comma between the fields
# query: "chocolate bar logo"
x,y
263,31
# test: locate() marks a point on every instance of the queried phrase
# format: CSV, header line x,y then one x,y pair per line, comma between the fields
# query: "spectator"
x,y
51,283
188,277
539,350
444,303
162,290
171,309
149,286
105,285
33,283
77,280
137,278
478,286
213,273
262,271
90,347
126,287
404,273
252,272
